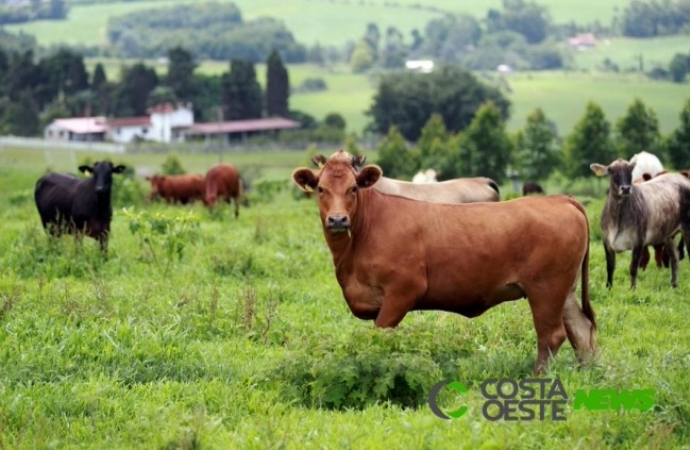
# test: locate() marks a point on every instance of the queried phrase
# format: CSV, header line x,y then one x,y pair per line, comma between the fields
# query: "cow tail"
x,y
586,305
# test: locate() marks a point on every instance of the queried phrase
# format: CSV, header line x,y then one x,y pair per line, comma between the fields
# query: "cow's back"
x,y
183,187
465,251
665,196
460,190
223,180
54,195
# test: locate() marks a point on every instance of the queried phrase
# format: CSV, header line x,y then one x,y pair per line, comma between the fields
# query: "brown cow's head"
x,y
337,184
620,173
156,186
357,161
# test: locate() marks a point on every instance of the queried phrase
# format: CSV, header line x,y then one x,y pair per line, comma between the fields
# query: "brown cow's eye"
x,y
354,189
320,189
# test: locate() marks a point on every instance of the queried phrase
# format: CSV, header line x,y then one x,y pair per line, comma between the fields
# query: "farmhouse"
x,y
165,123
583,41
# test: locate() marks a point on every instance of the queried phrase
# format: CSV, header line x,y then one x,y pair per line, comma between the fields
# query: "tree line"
x,y
485,148
33,93
33,10
211,30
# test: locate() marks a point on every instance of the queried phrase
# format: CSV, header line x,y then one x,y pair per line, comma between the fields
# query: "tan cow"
x,y
393,255
459,190
637,215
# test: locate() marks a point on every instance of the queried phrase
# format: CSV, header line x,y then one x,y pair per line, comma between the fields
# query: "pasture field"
x,y
328,22
240,338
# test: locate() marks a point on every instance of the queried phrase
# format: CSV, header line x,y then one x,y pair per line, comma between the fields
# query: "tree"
x,y
335,120
161,94
20,117
589,142
638,130
485,148
277,86
362,57
372,38
394,158
538,153
679,141
99,77
432,151
137,82
58,9
407,100
678,68
180,76
241,95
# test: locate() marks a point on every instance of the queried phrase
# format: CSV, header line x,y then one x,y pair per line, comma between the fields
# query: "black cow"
x,y
71,205
531,188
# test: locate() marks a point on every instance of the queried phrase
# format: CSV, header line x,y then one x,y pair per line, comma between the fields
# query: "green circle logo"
x,y
457,387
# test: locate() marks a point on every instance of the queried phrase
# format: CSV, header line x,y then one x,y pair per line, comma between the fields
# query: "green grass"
x,y
626,52
217,353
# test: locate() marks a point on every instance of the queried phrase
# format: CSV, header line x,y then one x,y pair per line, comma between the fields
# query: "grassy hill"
x,y
330,22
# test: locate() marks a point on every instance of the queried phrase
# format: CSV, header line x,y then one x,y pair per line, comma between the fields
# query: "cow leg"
x,y
681,248
237,206
645,258
634,264
672,252
579,329
397,301
610,265
547,312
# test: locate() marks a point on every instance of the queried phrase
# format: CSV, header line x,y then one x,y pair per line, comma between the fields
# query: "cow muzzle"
x,y
338,223
624,190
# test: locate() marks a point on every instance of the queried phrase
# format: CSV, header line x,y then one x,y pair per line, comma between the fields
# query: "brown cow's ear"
x,y
599,170
119,169
319,161
85,169
305,179
369,176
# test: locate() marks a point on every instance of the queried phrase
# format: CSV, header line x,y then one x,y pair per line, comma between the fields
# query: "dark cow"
x,y
223,182
393,255
637,215
531,188
459,190
76,206
177,188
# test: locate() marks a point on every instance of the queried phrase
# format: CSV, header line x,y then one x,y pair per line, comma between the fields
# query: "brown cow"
x,y
459,190
223,182
177,188
393,255
637,215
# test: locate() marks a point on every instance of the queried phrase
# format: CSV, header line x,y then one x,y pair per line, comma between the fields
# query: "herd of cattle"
x,y
68,204
451,246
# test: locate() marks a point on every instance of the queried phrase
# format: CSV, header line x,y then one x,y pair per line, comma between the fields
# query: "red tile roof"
x,y
120,122
238,126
